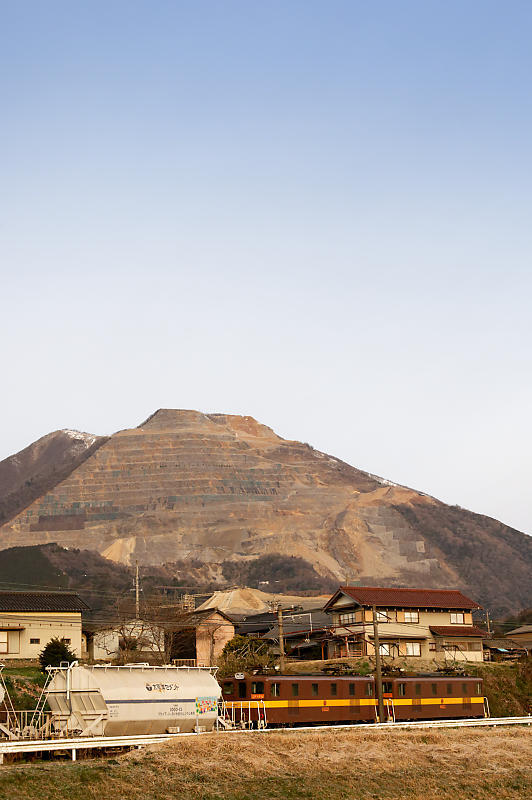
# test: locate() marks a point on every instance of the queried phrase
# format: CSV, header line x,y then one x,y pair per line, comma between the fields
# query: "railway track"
x,y
100,742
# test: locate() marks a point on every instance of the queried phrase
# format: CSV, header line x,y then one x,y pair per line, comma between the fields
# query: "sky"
x,y
314,213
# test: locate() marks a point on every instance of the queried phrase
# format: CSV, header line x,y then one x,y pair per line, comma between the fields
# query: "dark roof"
x,y
42,601
457,630
299,625
405,598
503,644
202,614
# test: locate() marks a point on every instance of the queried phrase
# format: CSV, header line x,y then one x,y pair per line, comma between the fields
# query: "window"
x,y
369,690
432,647
352,689
241,690
275,689
384,649
449,688
411,616
315,690
464,688
257,687
479,688
66,641
3,641
35,641
457,618
382,616
418,688
434,688
401,689
413,649
474,646
295,690
347,618
334,689
387,687
228,688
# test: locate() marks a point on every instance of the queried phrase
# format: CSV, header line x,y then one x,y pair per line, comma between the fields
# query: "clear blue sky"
x,y
316,213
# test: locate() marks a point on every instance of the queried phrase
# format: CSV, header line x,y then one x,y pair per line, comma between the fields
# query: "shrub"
x,y
54,653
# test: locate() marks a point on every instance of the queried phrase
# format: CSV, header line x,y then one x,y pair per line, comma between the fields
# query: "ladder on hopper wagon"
x,y
11,715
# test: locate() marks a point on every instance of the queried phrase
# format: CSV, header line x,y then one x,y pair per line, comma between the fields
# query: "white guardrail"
x,y
95,742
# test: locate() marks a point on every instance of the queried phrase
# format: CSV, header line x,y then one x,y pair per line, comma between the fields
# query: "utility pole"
x,y
137,591
281,638
488,622
378,672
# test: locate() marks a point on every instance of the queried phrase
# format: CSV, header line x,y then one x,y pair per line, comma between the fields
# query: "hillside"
x,y
213,488
41,466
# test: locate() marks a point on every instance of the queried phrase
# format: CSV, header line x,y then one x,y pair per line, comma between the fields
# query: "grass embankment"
x,y
322,765
24,685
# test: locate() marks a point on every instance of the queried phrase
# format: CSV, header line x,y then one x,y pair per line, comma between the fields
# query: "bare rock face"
x,y
215,487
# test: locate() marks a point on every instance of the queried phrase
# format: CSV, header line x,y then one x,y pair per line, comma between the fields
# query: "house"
x,y
304,632
503,649
28,620
412,623
213,630
523,636
128,641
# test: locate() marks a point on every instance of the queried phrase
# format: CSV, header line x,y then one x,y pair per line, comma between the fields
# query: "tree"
x,y
245,654
54,653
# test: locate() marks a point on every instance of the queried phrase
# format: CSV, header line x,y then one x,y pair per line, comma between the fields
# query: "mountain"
x,y
38,468
220,489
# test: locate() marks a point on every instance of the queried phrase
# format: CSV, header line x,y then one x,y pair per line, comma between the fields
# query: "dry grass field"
x,y
322,765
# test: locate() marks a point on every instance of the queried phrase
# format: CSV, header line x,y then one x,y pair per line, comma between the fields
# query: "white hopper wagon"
x,y
132,700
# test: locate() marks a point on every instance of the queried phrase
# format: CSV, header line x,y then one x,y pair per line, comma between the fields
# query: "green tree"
x,y
245,654
54,653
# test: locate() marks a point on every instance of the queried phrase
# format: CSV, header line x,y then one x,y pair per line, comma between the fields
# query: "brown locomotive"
x,y
312,699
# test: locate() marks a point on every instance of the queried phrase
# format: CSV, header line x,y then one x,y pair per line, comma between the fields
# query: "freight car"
x,y
131,700
294,700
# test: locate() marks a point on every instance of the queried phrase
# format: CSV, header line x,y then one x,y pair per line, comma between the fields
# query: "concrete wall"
x,y
211,637
41,626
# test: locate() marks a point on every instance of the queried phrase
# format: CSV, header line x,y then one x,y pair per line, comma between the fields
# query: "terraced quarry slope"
x,y
213,487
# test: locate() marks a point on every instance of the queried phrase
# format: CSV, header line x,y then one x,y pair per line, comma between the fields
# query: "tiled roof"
x,y
405,598
457,630
42,601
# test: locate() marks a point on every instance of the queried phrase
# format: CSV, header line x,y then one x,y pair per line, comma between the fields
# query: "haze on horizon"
x,y
315,214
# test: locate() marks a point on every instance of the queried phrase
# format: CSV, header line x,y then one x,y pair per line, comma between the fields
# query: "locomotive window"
x,y
479,688
275,689
434,687
387,687
464,688
314,689
257,688
401,689
334,689
352,689
228,688
241,690
418,688
369,689
295,690
449,688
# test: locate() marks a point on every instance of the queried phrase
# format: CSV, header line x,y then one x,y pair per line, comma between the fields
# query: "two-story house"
x,y
28,620
412,623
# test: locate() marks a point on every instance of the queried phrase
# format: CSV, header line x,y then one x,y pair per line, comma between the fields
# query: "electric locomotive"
x,y
292,700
